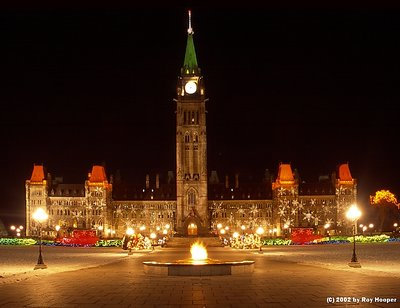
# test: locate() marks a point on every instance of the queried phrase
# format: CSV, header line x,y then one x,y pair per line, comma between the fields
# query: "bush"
x,y
17,241
276,241
109,243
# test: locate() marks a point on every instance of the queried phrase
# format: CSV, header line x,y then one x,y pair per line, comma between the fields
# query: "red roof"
x,y
285,173
37,173
98,174
344,173
285,176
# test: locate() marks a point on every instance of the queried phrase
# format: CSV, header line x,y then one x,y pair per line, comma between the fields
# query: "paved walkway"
x,y
272,284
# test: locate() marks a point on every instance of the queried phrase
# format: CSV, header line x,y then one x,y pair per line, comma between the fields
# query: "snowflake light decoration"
x,y
288,222
253,209
281,211
281,191
308,216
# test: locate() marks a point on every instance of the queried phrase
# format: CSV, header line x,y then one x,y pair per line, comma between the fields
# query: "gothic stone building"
x,y
191,201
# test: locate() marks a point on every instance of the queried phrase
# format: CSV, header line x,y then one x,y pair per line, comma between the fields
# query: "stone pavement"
x,y
272,284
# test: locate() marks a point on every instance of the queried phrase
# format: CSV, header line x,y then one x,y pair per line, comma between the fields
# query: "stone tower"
x,y
36,197
191,146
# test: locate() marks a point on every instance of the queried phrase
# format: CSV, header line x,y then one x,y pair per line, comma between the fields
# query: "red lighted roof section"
x,y
37,173
98,174
285,173
344,173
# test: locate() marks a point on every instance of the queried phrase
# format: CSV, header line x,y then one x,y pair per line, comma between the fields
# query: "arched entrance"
x,y
192,229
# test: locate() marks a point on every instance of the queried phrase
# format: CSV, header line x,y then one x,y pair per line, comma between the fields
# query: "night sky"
x,y
312,86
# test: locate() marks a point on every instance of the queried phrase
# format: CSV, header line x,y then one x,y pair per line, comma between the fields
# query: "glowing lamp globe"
x,y
353,213
260,230
40,215
130,231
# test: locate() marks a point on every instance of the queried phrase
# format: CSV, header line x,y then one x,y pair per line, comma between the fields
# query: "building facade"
x,y
192,201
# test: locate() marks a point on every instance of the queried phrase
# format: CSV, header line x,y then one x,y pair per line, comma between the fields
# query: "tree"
x,y
387,205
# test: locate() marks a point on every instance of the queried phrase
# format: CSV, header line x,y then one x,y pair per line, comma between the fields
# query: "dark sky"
x,y
314,86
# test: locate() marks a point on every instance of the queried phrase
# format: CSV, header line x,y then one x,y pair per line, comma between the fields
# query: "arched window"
x,y
187,138
192,197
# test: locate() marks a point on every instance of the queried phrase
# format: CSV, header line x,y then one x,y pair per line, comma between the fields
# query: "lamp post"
x,y
40,216
100,231
260,232
285,229
353,214
58,227
364,228
130,232
222,236
327,226
167,227
153,238
243,227
370,226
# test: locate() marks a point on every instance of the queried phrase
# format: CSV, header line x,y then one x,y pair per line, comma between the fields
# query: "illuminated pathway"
x,y
274,283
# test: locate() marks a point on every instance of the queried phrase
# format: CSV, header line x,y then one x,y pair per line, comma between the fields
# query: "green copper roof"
x,y
190,62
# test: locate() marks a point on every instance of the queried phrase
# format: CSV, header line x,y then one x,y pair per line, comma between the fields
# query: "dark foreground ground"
x,y
280,279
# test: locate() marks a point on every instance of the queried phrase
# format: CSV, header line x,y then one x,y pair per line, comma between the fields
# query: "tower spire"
x,y
190,66
190,29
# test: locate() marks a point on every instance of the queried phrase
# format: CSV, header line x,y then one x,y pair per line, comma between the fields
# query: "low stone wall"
x,y
206,269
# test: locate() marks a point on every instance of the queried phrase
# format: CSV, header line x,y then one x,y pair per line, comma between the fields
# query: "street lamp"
x,y
285,229
100,228
353,214
129,233
371,226
364,228
58,227
40,216
327,226
153,238
260,232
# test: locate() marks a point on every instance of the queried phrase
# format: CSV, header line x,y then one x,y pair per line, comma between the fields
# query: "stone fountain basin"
x,y
207,267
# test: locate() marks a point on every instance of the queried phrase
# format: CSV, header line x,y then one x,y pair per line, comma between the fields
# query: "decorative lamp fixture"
x,y
353,214
40,216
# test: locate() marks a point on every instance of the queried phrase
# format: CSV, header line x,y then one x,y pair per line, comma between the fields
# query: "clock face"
x,y
190,87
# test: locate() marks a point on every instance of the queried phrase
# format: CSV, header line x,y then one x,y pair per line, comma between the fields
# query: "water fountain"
x,y
198,265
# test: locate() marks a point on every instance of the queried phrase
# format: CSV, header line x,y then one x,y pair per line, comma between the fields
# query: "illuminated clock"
x,y
190,87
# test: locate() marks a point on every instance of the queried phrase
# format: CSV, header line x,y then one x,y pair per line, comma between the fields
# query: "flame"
x,y
198,251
